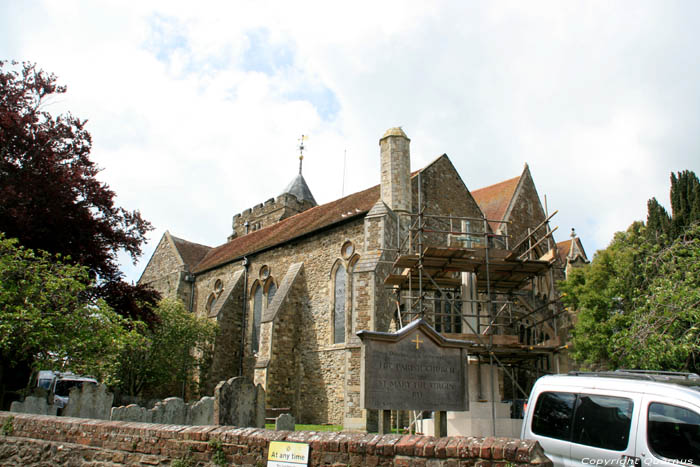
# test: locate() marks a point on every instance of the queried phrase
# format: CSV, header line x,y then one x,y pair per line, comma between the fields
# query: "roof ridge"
x,y
497,183
189,241
288,229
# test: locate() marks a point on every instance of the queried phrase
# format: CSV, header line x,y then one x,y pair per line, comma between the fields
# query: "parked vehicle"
x,y
62,385
46,378
625,417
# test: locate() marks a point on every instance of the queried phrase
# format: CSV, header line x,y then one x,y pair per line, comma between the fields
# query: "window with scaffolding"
x,y
448,313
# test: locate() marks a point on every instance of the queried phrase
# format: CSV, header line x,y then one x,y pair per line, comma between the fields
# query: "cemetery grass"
x,y
298,427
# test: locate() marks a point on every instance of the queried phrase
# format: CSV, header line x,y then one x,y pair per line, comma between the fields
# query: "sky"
x,y
196,108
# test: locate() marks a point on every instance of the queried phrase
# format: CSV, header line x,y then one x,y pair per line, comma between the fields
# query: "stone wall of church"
x,y
165,273
320,373
526,212
270,212
444,194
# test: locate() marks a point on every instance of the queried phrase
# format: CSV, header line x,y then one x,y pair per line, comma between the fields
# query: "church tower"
x,y
295,198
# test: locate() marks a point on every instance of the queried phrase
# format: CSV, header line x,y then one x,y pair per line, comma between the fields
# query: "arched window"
x,y
257,316
340,286
211,301
448,313
271,290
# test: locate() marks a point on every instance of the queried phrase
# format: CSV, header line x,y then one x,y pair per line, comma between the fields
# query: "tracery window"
x,y
271,290
257,316
340,288
211,301
448,313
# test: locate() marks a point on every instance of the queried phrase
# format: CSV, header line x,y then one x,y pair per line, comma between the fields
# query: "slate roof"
x,y
494,199
191,253
300,189
305,222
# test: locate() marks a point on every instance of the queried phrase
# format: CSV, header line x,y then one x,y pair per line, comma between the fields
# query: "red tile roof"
x,y
191,253
291,228
563,249
494,199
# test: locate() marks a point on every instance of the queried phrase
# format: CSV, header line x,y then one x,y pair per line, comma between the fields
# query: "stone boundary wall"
x,y
35,439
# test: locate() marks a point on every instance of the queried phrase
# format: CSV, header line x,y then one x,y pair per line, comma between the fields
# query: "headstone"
x,y
132,413
285,422
415,368
202,412
237,402
35,405
90,401
260,406
170,411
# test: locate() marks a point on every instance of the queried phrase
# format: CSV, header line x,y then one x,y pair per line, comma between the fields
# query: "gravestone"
x,y
202,412
131,413
170,411
259,406
34,404
415,368
238,402
89,401
285,422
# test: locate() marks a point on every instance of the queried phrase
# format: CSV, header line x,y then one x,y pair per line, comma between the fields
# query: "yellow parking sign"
x,y
285,454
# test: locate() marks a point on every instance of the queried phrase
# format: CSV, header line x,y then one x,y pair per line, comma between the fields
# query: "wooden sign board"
x,y
413,369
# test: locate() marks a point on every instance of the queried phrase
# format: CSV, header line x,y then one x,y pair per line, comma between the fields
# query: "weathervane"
x,y
301,150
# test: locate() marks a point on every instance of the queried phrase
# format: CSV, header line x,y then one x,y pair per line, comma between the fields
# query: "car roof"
x,y
76,378
681,388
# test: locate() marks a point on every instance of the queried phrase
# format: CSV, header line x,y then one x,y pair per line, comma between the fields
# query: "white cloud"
x,y
195,110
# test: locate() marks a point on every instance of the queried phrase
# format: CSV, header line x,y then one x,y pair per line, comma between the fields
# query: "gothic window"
x,y
211,301
271,290
353,293
448,313
340,287
257,316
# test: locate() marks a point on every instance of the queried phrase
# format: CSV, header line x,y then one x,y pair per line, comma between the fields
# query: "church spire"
x,y
298,186
301,151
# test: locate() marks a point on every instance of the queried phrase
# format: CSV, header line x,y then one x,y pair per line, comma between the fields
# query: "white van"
x,y
62,385
625,417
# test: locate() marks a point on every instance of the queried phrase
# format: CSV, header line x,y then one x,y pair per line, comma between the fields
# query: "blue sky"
x,y
195,110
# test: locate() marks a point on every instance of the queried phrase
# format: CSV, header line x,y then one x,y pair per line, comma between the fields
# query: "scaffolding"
x,y
465,278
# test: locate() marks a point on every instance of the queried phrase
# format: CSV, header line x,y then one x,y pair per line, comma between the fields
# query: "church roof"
x,y
300,189
495,199
294,227
191,253
565,250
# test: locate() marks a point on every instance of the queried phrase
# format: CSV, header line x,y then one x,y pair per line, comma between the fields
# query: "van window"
x,y
598,421
602,421
674,433
64,386
553,414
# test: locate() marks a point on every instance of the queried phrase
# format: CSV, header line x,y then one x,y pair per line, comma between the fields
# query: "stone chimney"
x,y
396,170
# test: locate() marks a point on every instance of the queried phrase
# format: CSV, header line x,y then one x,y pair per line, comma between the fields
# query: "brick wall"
x,y
37,439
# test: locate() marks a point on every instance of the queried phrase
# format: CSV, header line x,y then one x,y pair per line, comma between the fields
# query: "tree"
x,y
47,319
685,201
160,359
638,302
685,208
52,199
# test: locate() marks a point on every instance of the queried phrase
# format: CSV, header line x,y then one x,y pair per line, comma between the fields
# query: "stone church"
x,y
295,281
